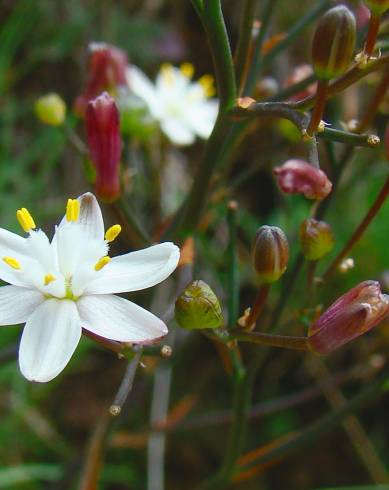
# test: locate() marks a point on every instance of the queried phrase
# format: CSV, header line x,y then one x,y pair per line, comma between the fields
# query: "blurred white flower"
x,y
183,108
59,287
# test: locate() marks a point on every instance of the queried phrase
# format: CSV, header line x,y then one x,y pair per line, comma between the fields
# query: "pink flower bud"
x,y
299,177
106,71
102,126
362,15
353,314
298,74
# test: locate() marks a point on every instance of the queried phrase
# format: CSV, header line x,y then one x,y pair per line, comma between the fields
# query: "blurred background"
x,y
45,430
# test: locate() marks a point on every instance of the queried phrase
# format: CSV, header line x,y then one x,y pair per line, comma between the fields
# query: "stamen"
x,y
102,263
49,278
167,73
25,219
206,81
187,69
15,264
112,233
72,210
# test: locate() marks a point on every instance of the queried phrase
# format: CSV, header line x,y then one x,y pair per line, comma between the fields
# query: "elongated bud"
x,y
333,43
353,314
102,126
377,7
316,239
270,253
198,307
50,109
299,177
106,71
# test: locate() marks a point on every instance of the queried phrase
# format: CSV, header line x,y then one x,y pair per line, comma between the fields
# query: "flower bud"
x,y
51,109
333,43
102,126
270,253
299,177
316,239
353,314
135,117
198,307
298,74
377,7
106,71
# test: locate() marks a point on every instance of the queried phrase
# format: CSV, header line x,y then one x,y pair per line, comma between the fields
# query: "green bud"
x,y
316,239
377,7
198,307
333,43
270,253
135,117
50,109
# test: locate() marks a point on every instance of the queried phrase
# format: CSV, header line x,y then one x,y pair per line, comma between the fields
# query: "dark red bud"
x,y
353,314
102,126
106,71
299,177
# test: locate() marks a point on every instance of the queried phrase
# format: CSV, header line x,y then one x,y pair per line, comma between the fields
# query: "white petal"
x,y
201,118
141,86
49,339
177,132
136,270
90,218
118,319
17,304
12,245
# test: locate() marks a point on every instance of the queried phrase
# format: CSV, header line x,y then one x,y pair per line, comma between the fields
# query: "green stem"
x,y
296,30
233,278
286,342
136,229
356,236
310,434
214,26
256,67
242,53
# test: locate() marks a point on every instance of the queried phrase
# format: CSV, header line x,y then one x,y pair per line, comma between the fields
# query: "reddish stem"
x,y
320,102
372,33
258,305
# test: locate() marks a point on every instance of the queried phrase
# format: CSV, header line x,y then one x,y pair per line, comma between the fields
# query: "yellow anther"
x,y
15,264
167,73
112,233
102,263
72,210
25,219
187,69
49,278
207,83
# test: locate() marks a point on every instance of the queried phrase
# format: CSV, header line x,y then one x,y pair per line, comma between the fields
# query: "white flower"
x,y
183,108
59,287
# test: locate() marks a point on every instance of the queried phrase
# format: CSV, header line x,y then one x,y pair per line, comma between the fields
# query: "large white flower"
x,y
59,287
183,108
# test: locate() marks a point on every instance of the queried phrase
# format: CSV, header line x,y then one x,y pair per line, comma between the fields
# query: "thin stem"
x,y
349,78
296,30
126,384
318,111
360,229
233,278
286,342
242,53
375,102
258,305
256,67
311,433
136,230
372,33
